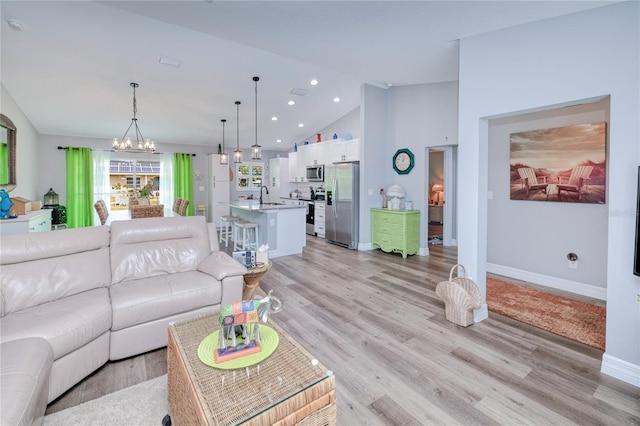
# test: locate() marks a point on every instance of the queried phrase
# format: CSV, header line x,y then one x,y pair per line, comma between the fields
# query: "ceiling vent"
x,y
299,92
167,61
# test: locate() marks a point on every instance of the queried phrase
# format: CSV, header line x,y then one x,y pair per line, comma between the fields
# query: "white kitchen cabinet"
x,y
327,152
278,179
219,189
291,201
319,219
35,221
301,165
293,167
344,150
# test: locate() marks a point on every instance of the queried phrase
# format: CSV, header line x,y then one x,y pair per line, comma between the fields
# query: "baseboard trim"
x,y
548,281
620,369
481,314
365,246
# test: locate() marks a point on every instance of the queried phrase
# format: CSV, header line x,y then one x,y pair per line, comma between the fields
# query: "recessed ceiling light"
x,y
314,82
291,102
15,24
336,99
274,118
278,140
301,125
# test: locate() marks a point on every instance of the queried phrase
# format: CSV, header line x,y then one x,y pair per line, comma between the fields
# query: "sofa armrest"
x,y
220,265
24,380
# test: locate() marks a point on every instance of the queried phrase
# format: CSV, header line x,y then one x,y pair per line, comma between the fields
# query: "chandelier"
x,y
237,154
125,144
256,150
224,157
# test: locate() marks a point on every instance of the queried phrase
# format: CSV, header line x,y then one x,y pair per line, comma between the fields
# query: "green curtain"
x,y
79,187
182,181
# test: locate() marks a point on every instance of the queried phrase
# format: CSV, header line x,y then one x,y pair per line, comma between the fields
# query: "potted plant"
x,y
144,194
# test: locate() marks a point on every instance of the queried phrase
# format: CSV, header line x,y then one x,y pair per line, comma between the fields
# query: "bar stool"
x,y
247,235
226,229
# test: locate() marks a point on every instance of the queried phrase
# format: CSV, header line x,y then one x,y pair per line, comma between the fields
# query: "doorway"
x,y
435,184
441,195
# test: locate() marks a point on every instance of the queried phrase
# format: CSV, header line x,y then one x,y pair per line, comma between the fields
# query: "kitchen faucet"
x,y
263,186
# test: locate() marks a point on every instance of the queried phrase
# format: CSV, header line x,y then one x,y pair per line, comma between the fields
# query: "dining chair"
x,y
183,207
140,212
176,205
101,209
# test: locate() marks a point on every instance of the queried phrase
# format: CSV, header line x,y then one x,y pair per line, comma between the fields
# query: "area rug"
x,y
141,404
575,320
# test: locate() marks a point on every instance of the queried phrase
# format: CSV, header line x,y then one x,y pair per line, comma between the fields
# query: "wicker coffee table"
x,y
287,388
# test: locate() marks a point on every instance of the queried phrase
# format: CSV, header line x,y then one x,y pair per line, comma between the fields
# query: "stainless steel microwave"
x,y
315,173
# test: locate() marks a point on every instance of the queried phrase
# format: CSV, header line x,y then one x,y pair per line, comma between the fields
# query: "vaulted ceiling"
x,y
70,65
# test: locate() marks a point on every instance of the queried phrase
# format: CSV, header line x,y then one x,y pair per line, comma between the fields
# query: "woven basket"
x,y
461,296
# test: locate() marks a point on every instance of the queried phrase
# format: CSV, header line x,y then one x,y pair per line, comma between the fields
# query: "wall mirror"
x,y
7,153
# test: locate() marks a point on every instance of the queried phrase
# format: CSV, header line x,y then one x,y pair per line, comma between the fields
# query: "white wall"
x,y
349,123
373,156
530,239
27,164
557,62
420,116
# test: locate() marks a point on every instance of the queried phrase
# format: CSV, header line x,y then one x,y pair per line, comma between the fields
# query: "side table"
x,y
252,280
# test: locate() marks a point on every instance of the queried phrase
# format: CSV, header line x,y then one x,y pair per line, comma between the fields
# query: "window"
x,y
123,174
130,182
249,176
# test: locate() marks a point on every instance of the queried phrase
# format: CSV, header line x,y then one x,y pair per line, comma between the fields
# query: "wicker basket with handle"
x,y
461,296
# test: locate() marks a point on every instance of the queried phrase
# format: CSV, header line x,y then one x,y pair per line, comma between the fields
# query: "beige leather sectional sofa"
x,y
73,299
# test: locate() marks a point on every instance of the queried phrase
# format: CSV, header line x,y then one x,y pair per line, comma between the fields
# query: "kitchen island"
x,y
280,226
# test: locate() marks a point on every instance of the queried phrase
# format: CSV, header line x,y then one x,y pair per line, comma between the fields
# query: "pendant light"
x,y
224,157
125,144
256,150
237,154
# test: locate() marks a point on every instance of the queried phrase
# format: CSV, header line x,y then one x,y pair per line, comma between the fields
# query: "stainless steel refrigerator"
x,y
342,185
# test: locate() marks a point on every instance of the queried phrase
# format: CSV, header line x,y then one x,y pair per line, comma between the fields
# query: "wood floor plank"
x,y
375,320
514,409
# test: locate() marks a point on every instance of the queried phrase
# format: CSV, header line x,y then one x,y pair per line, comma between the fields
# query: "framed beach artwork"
x,y
560,164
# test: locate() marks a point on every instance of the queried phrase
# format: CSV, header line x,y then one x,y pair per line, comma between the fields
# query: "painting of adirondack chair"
x,y
565,164
532,182
578,182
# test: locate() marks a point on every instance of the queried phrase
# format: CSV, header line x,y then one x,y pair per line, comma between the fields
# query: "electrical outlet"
x,y
573,264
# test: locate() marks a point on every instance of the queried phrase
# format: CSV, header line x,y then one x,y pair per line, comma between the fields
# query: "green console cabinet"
x,y
396,230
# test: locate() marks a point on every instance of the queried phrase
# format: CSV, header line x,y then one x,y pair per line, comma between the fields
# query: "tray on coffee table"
x,y
288,386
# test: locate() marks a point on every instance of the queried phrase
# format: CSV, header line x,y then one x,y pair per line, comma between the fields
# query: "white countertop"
x,y
254,205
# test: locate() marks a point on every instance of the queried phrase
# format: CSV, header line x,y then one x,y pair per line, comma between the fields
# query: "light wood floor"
x,y
375,320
